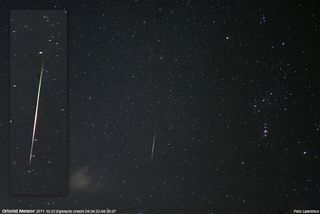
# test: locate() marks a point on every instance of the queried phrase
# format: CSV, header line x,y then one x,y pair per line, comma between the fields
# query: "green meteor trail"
x,y
36,114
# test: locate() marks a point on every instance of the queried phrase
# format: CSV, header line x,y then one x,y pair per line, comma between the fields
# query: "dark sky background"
x,y
229,90
38,36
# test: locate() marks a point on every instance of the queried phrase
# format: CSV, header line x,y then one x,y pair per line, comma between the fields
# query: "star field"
x,y
38,43
230,89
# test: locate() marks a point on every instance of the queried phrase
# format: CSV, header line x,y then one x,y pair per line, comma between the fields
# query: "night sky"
x,y
38,37
226,91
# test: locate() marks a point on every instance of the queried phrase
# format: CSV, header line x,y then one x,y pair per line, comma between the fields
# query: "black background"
x,y
39,36
230,89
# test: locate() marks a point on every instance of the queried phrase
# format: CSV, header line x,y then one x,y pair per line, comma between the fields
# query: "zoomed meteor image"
x,y
38,102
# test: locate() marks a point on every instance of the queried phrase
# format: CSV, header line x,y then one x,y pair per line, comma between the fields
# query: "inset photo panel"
x,y
38,102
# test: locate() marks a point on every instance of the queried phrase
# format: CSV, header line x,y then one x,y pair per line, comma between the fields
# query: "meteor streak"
x,y
153,142
36,115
